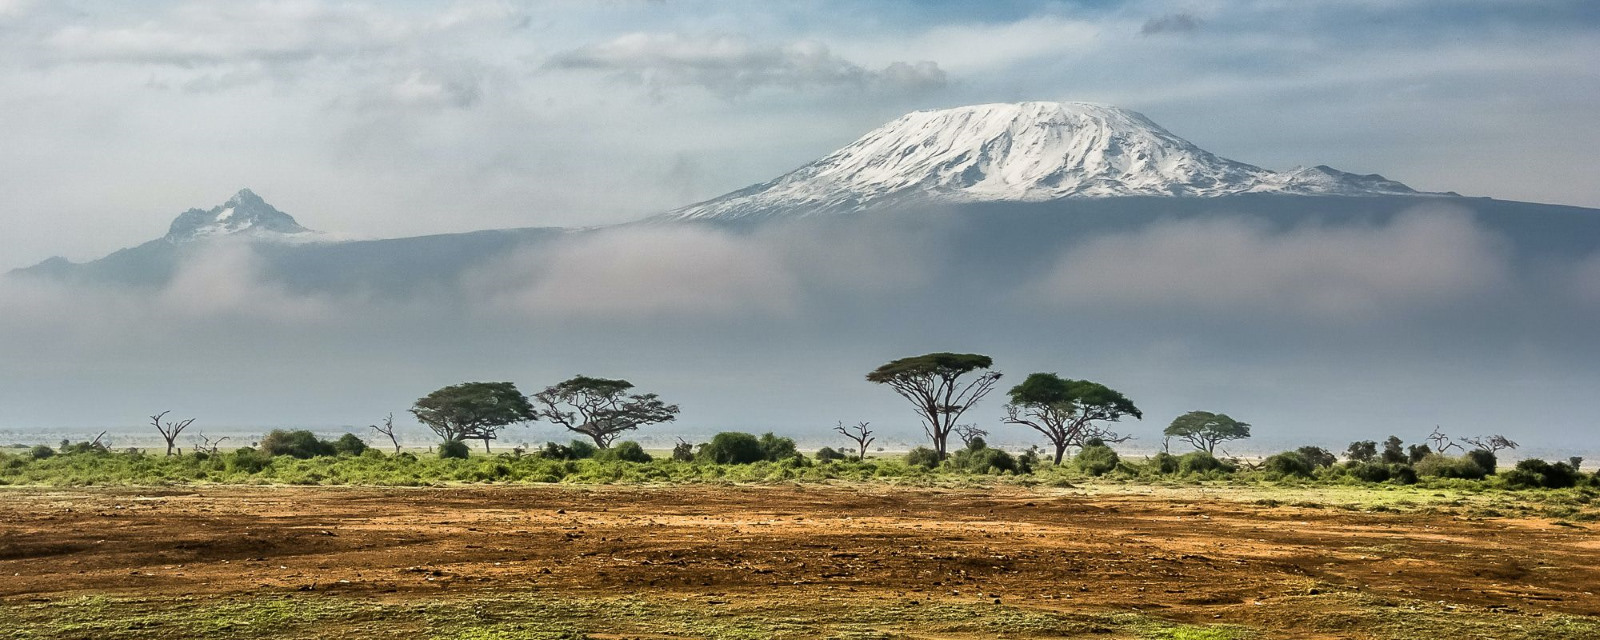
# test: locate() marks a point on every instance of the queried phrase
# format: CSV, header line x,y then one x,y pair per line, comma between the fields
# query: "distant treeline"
x,y
1070,415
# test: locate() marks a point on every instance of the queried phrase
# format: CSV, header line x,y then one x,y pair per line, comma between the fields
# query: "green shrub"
x,y
41,452
350,444
1439,466
582,449
575,450
1200,462
1534,473
298,443
977,457
1402,474
1163,463
1318,456
626,451
454,449
1028,460
683,452
775,448
828,454
1485,460
1096,460
246,460
923,457
1367,471
733,447
1288,464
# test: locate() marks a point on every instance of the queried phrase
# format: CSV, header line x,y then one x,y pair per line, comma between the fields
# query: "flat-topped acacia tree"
x,y
1066,412
1205,430
473,410
601,408
934,384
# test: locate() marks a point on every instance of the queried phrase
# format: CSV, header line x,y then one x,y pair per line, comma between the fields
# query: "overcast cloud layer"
x,y
392,119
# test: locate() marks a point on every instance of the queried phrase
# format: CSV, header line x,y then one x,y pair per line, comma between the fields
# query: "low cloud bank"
x,y
1235,267
773,328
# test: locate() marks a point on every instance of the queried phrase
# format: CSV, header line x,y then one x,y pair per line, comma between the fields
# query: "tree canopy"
x,y
1066,411
473,410
1205,430
601,408
933,384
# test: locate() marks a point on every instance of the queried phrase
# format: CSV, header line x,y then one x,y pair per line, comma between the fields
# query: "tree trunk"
x,y
486,445
169,447
598,442
1061,451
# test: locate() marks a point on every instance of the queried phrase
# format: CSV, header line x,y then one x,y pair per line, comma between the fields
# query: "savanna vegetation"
x,y
1073,418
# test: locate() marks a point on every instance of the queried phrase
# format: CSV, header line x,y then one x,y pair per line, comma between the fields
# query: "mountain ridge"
x,y
243,214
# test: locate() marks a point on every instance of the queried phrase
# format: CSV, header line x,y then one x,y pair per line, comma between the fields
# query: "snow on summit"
x,y
243,214
1030,151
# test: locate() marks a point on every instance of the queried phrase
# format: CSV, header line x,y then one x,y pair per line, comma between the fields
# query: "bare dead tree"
x,y
169,429
96,444
1493,444
969,431
205,444
1240,462
1440,442
388,430
859,433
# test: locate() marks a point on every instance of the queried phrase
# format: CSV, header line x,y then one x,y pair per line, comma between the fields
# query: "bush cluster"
x,y
300,457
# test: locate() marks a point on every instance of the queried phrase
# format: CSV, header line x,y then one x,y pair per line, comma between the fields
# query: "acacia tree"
x,y
1205,430
933,384
473,410
601,408
860,434
169,429
1066,412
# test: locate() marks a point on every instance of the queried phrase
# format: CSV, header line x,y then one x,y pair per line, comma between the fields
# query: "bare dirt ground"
x,y
1193,559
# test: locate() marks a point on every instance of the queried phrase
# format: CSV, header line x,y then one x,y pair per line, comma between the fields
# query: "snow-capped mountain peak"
x,y
244,214
1030,151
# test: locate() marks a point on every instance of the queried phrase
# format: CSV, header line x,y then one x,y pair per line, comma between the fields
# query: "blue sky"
x,y
387,119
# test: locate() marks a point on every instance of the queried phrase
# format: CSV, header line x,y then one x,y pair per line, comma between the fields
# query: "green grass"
x,y
1486,498
553,616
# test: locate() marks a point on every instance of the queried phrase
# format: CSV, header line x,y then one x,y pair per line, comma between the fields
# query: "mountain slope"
x,y
1026,152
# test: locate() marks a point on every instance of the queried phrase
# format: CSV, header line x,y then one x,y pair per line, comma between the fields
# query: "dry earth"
x,y
1181,557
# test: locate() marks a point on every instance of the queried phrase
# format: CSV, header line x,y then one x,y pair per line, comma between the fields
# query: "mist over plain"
x,y
1316,327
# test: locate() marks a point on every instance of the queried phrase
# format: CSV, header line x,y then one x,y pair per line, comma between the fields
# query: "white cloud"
x,y
733,65
629,275
1232,268
1585,281
221,286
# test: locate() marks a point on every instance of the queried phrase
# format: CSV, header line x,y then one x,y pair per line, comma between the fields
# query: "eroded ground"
x,y
806,561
